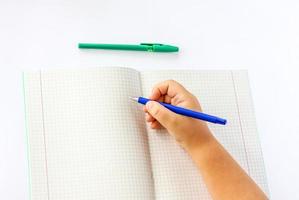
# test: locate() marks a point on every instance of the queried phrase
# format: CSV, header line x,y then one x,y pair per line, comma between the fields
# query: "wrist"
x,y
199,142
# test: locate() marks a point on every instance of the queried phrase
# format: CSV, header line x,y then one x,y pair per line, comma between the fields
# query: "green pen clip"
x,y
156,47
151,47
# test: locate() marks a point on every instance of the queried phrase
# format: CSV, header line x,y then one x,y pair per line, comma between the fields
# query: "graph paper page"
x,y
221,93
86,139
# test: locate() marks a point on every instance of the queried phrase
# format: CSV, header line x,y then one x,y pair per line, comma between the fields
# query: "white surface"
x,y
259,35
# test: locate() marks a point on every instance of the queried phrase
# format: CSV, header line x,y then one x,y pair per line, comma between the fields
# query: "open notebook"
x,y
87,140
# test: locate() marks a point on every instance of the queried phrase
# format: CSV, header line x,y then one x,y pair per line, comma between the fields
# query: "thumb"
x,y
166,117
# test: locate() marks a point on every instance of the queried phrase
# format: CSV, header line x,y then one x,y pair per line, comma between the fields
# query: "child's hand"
x,y
187,131
224,178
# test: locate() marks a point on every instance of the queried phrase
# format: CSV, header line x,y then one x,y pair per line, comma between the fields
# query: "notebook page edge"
x,y
33,123
242,83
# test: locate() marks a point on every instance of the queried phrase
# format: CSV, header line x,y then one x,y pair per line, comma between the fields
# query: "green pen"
x,y
153,47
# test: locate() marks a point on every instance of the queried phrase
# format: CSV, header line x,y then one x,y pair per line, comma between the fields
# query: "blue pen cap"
x,y
220,121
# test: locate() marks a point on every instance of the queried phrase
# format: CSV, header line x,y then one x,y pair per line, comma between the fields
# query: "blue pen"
x,y
185,112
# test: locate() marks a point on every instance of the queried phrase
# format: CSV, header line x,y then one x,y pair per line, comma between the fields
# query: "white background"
x,y
259,35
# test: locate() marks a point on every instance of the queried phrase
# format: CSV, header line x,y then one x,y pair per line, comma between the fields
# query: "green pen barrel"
x,y
113,47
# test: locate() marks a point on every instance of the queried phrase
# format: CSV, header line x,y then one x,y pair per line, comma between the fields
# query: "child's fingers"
x,y
155,125
155,95
169,87
167,99
149,118
144,109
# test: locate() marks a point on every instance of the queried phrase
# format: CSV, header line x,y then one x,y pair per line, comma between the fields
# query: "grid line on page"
x,y
44,132
239,119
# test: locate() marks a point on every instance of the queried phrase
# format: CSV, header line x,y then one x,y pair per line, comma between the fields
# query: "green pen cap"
x,y
155,47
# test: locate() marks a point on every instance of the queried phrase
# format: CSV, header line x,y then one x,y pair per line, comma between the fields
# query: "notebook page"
x,y
87,139
221,93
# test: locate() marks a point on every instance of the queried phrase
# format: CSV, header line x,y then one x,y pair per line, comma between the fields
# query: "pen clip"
x,y
157,47
151,44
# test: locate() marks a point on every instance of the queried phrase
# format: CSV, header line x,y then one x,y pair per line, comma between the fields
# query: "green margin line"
x,y
27,136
